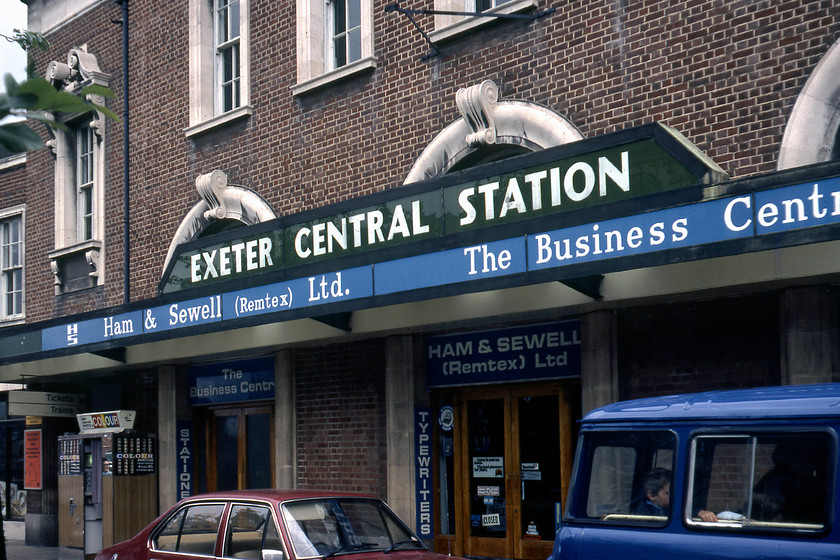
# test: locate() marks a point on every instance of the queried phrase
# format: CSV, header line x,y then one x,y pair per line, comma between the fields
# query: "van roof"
x,y
801,401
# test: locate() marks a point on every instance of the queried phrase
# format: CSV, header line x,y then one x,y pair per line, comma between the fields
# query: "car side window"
x,y
251,528
628,479
766,481
192,530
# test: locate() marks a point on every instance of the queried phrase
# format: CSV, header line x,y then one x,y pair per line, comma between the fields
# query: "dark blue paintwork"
x,y
812,407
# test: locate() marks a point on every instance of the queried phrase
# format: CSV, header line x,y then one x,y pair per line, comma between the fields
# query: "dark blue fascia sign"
x,y
682,224
533,352
227,382
748,216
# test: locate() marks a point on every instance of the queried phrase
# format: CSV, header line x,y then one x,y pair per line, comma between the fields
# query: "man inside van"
x,y
657,490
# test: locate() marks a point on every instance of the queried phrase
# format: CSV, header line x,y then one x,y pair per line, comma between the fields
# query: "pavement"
x,y
18,550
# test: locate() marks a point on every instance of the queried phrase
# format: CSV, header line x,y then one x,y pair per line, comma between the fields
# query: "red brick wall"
x,y
340,399
684,347
725,74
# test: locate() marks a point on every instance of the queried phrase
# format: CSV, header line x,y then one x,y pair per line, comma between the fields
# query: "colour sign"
x,y
547,350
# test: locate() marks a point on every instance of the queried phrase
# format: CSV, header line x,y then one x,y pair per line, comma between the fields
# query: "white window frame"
x,y
346,34
84,172
206,110
15,213
228,74
315,68
450,26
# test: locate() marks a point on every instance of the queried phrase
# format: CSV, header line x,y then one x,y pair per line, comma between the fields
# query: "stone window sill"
x,y
219,120
343,73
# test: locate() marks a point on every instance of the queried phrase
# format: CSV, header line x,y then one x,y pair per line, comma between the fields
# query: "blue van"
x,y
726,474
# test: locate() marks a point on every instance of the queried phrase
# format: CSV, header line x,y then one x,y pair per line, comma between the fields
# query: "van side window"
x,y
760,481
630,477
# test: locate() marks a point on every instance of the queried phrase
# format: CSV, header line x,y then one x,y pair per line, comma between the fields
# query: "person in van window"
x,y
795,485
657,492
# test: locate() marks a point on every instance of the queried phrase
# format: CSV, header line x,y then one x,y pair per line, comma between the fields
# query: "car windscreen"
x,y
624,477
331,527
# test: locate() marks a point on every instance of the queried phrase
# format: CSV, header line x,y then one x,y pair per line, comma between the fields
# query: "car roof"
x,y
793,401
274,495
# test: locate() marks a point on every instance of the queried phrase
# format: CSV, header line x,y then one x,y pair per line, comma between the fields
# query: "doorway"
x,y
238,447
510,457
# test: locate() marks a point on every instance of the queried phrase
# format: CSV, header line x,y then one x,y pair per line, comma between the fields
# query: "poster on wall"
x,y
32,460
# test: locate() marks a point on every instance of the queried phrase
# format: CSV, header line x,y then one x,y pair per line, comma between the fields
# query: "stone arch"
x,y
485,121
812,129
220,201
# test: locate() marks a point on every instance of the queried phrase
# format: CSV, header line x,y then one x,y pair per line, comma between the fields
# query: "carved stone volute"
x,y
476,105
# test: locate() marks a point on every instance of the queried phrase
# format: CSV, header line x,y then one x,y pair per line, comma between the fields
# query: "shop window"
x,y
334,42
11,265
775,482
219,63
79,178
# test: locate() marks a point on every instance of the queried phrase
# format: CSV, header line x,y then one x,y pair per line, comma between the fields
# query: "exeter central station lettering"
x,y
229,259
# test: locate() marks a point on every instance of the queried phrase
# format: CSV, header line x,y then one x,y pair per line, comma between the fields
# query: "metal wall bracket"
x,y
409,13
589,286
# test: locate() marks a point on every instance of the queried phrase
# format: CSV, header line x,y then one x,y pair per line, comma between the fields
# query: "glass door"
x,y
240,448
487,469
515,448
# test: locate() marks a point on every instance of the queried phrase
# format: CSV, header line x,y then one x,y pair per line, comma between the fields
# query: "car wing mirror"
x,y
270,554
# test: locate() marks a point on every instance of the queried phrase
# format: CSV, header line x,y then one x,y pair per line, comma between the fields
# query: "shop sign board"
x,y
242,380
543,351
185,459
423,473
106,422
725,222
37,403
629,164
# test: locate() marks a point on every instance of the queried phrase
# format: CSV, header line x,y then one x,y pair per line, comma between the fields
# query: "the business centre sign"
x,y
624,165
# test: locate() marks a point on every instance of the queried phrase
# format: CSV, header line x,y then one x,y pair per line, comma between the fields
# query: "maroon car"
x,y
274,525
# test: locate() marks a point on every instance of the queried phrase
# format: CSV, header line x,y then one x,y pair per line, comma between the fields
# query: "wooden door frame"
x,y
515,546
240,410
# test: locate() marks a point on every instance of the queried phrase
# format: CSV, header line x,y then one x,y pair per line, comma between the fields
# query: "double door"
x,y
239,447
513,457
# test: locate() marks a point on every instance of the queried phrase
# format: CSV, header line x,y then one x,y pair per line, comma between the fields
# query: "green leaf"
x,y
98,90
17,137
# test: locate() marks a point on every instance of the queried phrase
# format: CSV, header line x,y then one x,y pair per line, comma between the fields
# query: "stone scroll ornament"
x,y
476,105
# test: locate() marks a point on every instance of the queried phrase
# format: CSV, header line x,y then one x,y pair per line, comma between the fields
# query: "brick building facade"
x,y
305,127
